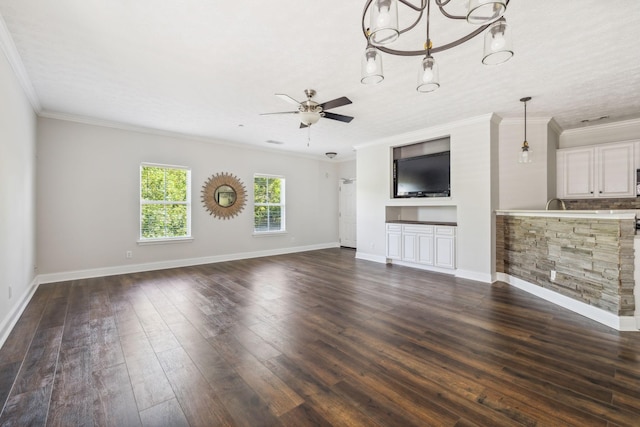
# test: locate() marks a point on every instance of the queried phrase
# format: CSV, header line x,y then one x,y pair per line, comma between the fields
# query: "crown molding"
x,y
11,53
600,127
178,135
429,133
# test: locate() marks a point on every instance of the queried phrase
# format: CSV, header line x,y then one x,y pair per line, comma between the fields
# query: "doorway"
x,y
347,213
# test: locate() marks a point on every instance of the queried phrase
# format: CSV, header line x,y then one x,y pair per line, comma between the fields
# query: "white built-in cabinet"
x,y
423,244
605,170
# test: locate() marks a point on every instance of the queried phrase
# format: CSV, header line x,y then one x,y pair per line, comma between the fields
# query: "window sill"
x,y
269,233
165,241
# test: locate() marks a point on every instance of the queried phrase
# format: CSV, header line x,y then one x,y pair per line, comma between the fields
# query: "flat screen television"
x,y
423,176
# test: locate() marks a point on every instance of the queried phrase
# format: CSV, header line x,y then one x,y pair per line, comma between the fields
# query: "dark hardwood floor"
x,y
310,339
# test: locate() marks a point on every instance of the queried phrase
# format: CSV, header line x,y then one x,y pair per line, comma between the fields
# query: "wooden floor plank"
x,y
315,338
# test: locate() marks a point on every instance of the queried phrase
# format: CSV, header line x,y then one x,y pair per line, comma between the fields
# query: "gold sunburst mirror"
x,y
224,195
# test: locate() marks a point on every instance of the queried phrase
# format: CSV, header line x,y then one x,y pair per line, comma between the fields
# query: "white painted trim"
x,y
581,132
474,275
620,323
125,269
423,267
371,257
530,120
10,321
11,52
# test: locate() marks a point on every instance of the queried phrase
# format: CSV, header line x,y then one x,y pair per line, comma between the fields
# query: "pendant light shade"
x,y
428,76
384,22
481,12
371,66
526,154
497,43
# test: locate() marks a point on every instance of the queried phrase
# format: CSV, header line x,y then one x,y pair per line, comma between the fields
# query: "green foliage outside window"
x,y
164,202
268,204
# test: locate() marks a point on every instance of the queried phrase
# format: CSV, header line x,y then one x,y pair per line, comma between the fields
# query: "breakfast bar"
x,y
582,260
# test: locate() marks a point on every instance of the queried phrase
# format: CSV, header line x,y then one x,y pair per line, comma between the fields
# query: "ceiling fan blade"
x,y
280,112
338,117
287,98
338,102
302,126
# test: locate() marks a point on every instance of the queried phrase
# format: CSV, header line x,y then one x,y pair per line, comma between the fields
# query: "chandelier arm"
x,y
416,8
433,49
418,19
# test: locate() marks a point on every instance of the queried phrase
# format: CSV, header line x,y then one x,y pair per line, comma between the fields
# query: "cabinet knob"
x,y
591,192
600,191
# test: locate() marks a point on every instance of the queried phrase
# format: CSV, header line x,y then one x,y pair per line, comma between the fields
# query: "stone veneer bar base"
x,y
592,257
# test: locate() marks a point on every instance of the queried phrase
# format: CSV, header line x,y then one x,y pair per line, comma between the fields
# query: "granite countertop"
x,y
404,221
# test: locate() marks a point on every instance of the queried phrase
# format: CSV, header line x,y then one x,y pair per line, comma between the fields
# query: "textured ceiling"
x,y
209,68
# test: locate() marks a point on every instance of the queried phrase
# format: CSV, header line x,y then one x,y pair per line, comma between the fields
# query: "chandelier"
x,y
383,30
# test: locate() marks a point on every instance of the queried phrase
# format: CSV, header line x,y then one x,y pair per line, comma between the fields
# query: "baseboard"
x,y
371,257
424,267
12,318
163,265
474,275
620,323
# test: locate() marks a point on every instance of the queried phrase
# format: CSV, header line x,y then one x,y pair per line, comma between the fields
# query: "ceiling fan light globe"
x,y
309,117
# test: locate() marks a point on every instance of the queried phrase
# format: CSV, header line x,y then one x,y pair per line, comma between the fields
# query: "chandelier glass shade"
x,y
381,30
428,77
371,66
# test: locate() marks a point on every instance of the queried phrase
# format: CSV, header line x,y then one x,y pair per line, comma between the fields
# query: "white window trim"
x,y
283,202
162,240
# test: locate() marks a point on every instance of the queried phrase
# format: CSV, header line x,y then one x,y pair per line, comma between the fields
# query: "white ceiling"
x,y
209,68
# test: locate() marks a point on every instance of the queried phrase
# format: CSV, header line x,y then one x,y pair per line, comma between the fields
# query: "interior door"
x,y
347,222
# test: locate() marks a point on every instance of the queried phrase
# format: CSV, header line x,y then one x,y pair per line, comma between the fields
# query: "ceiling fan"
x,y
310,111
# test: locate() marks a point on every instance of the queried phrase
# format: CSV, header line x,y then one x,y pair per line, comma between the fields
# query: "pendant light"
x,y
526,154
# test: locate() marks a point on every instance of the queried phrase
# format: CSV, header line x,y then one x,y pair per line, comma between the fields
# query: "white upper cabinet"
x,y
605,170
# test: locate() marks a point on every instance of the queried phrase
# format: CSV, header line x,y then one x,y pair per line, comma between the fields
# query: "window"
x,y
165,202
268,204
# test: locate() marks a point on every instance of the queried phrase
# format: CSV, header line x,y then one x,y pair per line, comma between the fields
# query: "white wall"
x,y
527,185
474,170
88,184
17,197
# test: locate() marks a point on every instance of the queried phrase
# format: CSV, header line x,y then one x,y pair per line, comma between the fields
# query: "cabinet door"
x,y
409,252
616,177
425,248
445,251
578,173
394,245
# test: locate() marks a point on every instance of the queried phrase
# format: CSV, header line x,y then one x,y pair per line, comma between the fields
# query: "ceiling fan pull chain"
x,y
308,135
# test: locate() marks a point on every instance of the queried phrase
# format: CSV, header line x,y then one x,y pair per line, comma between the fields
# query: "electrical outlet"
x,y
129,254
553,275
